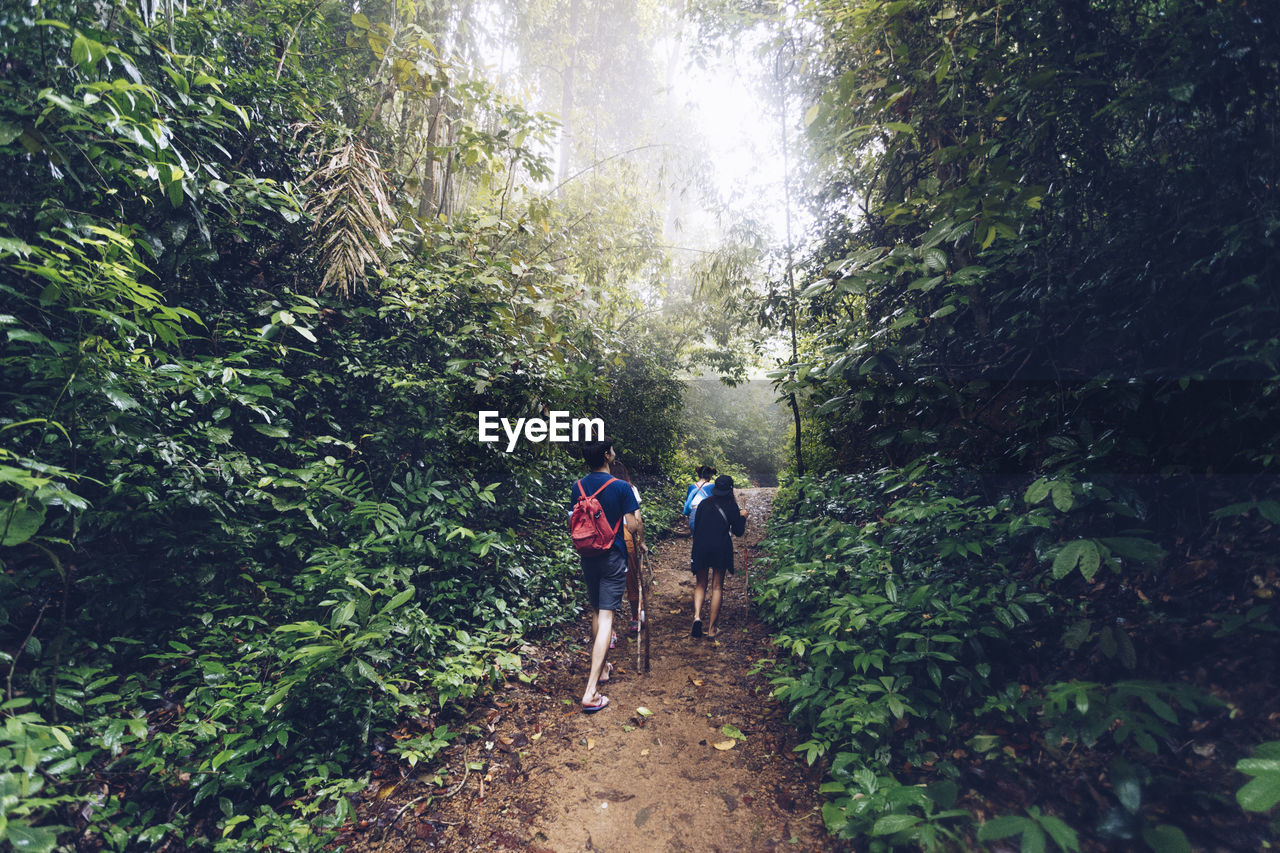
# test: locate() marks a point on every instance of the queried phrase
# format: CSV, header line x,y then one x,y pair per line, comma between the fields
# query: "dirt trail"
x,y
557,779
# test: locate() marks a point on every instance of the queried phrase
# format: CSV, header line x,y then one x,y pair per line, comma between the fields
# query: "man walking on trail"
x,y
605,573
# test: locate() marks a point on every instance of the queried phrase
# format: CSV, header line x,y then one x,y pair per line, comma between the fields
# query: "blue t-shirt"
x,y
690,509
616,501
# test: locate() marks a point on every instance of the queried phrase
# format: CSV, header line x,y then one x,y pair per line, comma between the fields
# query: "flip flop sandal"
x,y
696,630
600,706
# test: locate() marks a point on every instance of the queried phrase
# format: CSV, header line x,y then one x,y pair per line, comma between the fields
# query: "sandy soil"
x,y
547,777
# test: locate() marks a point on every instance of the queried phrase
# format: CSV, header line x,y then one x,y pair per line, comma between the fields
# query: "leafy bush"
x,y
918,627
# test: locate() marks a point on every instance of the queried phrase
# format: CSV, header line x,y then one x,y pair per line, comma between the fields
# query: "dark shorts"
x,y
606,578
712,558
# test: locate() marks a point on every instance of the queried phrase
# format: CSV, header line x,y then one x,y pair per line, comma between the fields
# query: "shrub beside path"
x,y
556,779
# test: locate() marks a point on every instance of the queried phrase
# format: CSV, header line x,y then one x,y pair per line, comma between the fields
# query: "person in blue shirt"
x,y
697,492
605,575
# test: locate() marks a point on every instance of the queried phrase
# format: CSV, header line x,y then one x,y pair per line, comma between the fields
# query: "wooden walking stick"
x,y
642,617
746,572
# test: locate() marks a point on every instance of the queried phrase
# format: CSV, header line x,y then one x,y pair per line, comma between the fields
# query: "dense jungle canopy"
x,y
1016,284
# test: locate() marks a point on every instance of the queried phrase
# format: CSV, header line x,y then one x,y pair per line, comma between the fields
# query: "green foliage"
x,y
1032,266
244,528
1034,830
1263,791
911,621
740,429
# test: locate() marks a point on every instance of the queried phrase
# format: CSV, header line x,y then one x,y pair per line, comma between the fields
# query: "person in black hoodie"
x,y
718,517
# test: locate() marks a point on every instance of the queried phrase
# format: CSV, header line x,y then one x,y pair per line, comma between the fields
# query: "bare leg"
x,y
717,587
699,593
602,625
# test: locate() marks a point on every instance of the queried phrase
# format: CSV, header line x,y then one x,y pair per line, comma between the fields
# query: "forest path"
x,y
562,780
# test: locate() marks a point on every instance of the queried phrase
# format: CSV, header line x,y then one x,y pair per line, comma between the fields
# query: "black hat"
x,y
724,486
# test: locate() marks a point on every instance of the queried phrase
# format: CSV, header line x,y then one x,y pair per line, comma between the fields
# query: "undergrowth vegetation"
x,y
246,523
946,638
1029,597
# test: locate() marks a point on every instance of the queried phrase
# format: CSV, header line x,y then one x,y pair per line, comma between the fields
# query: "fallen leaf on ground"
x,y
644,712
591,743
732,731
725,744
643,753
697,682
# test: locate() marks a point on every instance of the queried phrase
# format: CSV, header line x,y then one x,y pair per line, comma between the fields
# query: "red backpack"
x,y
588,526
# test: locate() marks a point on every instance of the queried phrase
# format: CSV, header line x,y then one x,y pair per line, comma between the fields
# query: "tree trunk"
x,y
566,94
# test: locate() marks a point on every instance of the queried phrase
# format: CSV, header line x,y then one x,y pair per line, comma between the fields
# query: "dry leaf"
x,y
591,743
643,753
507,740
644,712
385,790
725,744
535,735
697,682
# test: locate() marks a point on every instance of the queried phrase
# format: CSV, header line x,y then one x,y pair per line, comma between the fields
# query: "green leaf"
x,y
1124,781
983,743
1037,491
30,839
1166,839
276,698
61,737
1261,794
890,824
119,399
272,430
732,731
367,671
1134,548
1062,497
19,521
399,599
1081,552
1033,839
810,114
1003,827
1062,834
1258,766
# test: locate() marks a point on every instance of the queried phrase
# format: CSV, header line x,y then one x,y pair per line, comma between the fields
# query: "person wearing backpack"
x,y
718,518
698,492
601,508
